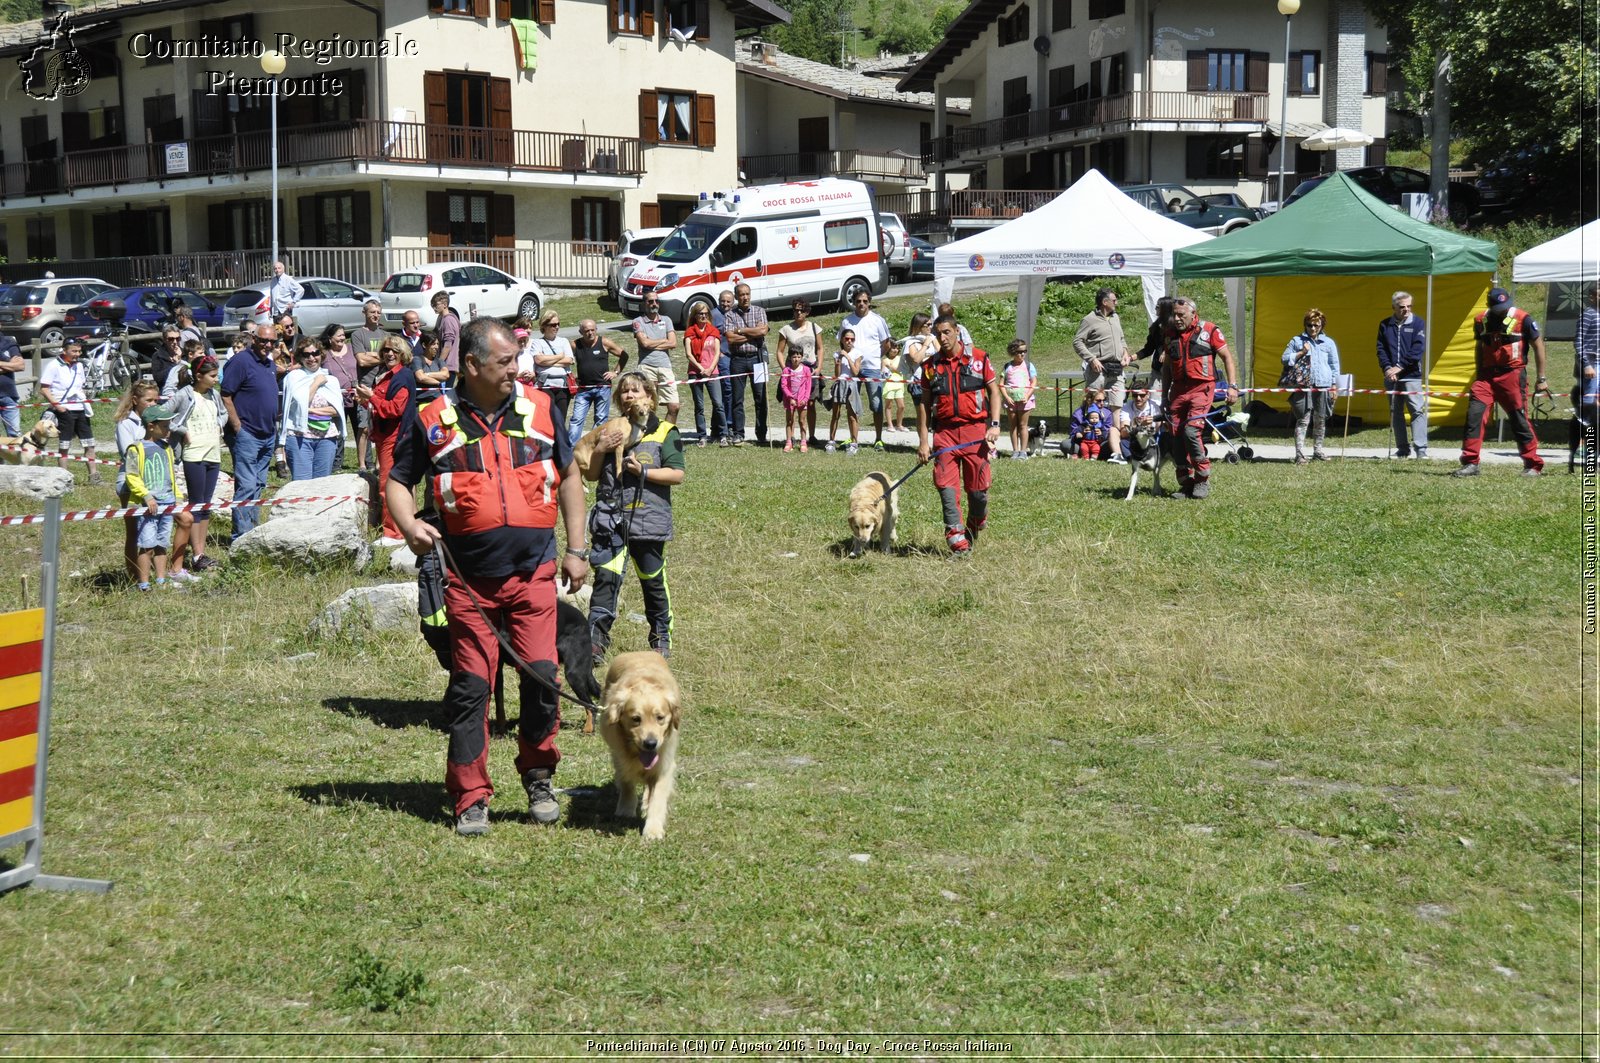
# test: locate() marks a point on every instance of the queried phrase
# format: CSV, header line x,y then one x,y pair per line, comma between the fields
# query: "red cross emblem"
x,y
794,242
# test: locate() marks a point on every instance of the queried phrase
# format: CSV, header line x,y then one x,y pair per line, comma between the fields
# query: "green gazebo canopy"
x,y
1338,228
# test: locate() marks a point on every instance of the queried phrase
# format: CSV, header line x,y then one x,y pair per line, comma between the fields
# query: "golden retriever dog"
x,y
643,709
32,445
873,511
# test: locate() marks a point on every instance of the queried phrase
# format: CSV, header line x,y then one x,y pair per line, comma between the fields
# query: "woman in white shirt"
x,y
313,415
550,357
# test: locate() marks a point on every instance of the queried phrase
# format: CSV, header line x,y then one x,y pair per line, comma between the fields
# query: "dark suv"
x,y
1218,213
1389,183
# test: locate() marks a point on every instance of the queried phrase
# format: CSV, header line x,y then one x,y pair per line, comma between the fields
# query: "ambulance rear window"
x,y
848,235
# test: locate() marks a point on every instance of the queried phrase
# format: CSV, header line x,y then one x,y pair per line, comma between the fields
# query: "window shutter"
x,y
1296,75
1060,15
1257,157
1197,72
611,16
355,82
702,20
649,215
545,11
1195,156
1377,153
648,130
647,17
500,103
433,98
1117,80
480,8
74,132
1255,72
577,219
613,221
362,207
438,219
503,222
308,221
502,10
1378,73
217,227
705,117
436,6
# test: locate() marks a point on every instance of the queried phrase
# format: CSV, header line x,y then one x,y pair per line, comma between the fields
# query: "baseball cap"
x,y
1499,298
158,412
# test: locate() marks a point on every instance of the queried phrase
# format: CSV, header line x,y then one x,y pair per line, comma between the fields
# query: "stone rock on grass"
x,y
386,607
34,481
307,533
403,561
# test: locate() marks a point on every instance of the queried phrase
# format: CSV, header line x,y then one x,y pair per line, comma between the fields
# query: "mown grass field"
x,y
1295,770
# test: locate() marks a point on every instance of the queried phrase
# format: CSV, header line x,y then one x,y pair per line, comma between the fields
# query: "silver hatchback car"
x,y
326,302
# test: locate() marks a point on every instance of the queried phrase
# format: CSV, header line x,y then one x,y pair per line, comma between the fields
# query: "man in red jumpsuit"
x,y
502,475
959,414
1188,382
1503,333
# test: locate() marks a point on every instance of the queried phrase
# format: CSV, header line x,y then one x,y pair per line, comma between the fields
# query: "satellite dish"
x,y
1041,44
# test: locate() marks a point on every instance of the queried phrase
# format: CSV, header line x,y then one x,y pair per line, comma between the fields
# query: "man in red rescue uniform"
x,y
1189,380
502,468
1503,333
960,409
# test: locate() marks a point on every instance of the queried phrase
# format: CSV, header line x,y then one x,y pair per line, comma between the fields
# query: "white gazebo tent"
x,y
1092,229
1572,257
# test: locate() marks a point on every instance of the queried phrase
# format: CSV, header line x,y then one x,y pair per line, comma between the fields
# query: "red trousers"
x,y
524,606
1186,412
1089,449
384,439
1506,389
968,467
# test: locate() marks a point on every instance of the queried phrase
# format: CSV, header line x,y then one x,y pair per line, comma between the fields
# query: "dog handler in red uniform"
x,y
502,468
1503,333
1188,380
960,404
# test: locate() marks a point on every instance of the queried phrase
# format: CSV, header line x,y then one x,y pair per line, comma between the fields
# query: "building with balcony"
x,y
524,132
1179,91
800,119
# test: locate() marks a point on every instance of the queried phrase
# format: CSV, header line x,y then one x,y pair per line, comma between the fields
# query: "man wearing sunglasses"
x,y
250,393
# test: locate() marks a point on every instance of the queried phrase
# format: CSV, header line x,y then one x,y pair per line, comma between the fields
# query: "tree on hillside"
x,y
1522,72
946,13
816,29
905,29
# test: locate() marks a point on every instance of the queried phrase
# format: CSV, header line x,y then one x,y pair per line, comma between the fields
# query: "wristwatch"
x,y
581,555
994,424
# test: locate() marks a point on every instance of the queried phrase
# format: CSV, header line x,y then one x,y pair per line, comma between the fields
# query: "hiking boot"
x,y
956,539
1116,459
1531,471
724,442
664,649
878,446
95,479
1319,456
1301,459
1201,489
542,804
203,563
1467,470
474,820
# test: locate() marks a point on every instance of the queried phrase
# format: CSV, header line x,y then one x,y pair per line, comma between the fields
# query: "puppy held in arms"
x,y
872,513
643,710
615,436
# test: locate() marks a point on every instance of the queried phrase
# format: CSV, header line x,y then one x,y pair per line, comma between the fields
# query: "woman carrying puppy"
x,y
632,513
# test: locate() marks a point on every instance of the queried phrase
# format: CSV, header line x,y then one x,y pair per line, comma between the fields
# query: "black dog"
x,y
574,650
1038,432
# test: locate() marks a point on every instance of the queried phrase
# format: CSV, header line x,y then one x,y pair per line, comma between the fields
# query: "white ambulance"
x,y
817,240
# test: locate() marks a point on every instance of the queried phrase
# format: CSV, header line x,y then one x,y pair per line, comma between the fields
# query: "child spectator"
x,y
141,394
1021,379
916,348
894,389
632,514
1091,437
795,388
1093,402
147,469
198,418
845,392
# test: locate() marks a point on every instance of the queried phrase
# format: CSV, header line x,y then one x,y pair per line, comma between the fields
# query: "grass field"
x,y
1292,771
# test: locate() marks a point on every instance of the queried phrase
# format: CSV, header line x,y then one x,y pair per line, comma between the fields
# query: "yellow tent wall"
x,y
1354,306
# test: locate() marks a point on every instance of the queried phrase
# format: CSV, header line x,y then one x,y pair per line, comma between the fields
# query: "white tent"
x,y
1573,257
1092,229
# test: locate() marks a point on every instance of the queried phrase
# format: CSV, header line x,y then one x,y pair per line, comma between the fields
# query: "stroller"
x,y
1225,426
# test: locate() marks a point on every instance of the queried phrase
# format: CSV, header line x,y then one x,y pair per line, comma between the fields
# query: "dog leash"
x,y
447,562
892,488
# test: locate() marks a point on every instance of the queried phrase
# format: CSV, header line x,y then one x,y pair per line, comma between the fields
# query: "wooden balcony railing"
x,y
1123,110
366,140
861,165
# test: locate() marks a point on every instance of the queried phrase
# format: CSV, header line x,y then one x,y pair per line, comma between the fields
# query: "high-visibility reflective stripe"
x,y
447,497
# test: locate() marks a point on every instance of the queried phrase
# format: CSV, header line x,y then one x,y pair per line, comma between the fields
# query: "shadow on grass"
x,y
841,550
108,580
593,808
387,712
424,800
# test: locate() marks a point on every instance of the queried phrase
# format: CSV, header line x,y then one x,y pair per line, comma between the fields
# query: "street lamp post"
x,y
272,64
1286,8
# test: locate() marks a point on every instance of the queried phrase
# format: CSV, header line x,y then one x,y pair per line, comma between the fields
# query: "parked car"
x,y
921,259
896,239
1511,181
471,285
634,247
326,301
1389,183
1215,213
149,308
36,309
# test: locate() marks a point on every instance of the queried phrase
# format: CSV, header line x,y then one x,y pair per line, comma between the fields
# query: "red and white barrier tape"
x,y
167,510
